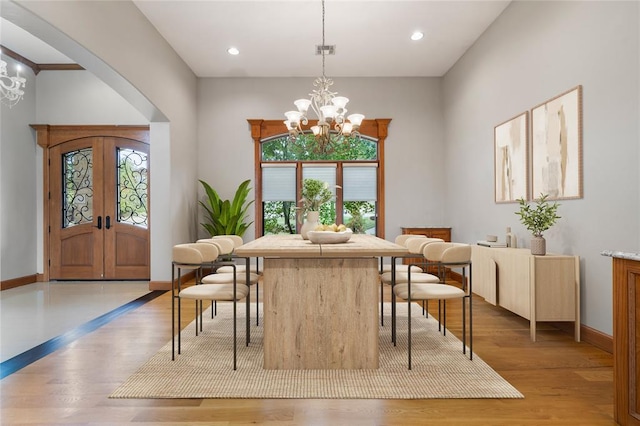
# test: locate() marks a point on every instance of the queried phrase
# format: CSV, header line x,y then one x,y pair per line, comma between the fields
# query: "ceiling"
x,y
279,38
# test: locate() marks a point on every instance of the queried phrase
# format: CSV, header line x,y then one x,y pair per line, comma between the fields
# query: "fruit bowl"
x,y
329,237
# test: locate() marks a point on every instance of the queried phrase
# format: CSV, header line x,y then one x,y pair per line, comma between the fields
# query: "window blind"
x,y
359,182
279,182
323,172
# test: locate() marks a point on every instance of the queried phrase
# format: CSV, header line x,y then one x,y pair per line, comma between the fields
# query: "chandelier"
x,y
10,86
330,109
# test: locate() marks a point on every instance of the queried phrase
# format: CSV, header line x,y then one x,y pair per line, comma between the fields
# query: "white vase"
x,y
310,223
538,246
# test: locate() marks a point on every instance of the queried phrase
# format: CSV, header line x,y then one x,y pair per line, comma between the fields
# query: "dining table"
x,y
320,302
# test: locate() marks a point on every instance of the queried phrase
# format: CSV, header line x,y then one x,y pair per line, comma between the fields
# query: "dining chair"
x,y
195,256
387,267
444,256
398,273
242,270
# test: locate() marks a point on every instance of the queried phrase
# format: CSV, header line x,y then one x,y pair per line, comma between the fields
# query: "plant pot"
x,y
310,223
538,246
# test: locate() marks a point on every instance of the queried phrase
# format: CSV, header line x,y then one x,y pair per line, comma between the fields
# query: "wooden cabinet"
x,y
538,288
429,232
626,340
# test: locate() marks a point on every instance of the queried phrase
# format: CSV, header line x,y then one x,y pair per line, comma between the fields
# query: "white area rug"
x,y
205,367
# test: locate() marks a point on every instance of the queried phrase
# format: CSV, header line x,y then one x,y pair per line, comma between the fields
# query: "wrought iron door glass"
x,y
133,187
77,172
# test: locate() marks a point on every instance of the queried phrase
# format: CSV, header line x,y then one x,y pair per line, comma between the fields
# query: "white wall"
x,y
114,41
79,97
18,209
413,150
534,51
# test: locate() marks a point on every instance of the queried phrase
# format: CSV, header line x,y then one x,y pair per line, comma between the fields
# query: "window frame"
x,y
265,130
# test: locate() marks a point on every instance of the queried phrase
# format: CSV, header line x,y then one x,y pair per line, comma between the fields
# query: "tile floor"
x,y
35,313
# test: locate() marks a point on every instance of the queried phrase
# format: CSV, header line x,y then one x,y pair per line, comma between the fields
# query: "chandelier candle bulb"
x,y
356,119
302,105
340,102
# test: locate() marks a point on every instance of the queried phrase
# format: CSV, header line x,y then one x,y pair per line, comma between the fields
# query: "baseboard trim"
x,y
166,285
588,335
159,285
18,282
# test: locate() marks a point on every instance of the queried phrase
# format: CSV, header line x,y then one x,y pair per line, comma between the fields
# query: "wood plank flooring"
x,y
564,382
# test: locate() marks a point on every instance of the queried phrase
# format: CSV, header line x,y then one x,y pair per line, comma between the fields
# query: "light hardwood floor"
x,y
564,382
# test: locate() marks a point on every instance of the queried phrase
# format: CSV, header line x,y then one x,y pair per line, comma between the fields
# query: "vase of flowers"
x,y
314,194
537,220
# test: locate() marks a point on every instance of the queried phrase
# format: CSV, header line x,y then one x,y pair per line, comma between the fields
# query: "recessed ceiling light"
x,y
417,35
233,51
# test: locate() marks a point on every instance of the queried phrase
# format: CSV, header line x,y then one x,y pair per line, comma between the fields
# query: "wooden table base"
x,y
320,313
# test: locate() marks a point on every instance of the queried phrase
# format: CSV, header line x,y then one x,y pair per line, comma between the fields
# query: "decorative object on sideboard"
x,y
225,217
537,220
507,238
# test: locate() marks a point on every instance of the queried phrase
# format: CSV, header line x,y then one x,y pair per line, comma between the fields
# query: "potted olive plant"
x,y
538,219
314,194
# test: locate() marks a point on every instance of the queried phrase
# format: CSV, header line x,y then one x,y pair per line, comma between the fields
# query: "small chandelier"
x,y
330,109
10,86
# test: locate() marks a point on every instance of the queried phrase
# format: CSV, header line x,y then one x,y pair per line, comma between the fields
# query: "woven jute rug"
x,y
205,367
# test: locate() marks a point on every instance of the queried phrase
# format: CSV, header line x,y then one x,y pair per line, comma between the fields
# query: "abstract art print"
x,y
510,159
557,146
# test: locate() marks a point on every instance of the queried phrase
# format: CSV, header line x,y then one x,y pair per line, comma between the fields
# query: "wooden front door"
x,y
98,208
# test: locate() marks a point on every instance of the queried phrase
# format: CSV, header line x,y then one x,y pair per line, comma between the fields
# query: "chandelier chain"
x,y
323,43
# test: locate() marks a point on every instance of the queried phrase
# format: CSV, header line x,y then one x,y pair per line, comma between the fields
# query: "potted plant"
x,y
538,219
314,194
224,217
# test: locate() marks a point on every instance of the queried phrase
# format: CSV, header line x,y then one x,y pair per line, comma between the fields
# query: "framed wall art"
x,y
557,146
511,145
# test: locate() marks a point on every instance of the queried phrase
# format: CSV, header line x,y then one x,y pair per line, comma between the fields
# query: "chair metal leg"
x,y
409,322
247,332
179,311
173,313
470,328
258,303
464,326
444,317
381,303
393,301
235,325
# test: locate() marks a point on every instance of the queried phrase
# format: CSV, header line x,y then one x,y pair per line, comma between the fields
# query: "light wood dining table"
x,y
320,300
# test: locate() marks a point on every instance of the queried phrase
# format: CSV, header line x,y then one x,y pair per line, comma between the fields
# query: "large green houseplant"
x,y
537,219
225,217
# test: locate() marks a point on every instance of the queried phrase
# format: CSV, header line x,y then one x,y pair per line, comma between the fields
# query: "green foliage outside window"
x,y
279,217
281,149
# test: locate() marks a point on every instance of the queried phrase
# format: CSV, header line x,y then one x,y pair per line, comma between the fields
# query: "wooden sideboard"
x,y
429,232
538,288
626,340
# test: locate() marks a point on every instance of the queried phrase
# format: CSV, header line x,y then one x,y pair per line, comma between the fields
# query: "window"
x,y
353,170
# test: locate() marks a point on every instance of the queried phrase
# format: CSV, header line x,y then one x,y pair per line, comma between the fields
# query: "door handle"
x,y
99,222
108,224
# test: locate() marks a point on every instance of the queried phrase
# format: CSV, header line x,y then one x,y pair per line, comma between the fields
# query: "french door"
x,y
99,209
